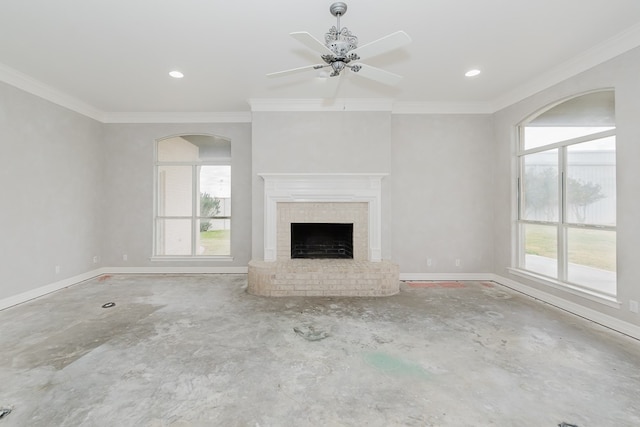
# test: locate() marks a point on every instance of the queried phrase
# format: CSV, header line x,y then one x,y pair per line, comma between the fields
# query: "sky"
x,y
216,180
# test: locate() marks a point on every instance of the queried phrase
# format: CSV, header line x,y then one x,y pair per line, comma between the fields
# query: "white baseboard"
x,y
446,276
175,270
47,289
71,281
577,309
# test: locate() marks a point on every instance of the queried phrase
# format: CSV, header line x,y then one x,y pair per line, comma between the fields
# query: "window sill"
x,y
220,258
605,299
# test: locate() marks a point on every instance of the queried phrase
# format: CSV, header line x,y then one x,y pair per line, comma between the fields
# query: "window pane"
x,y
592,259
541,249
175,190
173,237
212,148
215,191
535,136
591,182
215,201
177,150
540,187
214,237
582,115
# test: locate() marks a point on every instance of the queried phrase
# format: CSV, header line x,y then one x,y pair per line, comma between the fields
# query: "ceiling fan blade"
x,y
292,71
385,44
381,76
311,42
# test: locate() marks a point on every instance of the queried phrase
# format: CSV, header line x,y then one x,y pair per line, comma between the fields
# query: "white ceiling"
x,y
114,56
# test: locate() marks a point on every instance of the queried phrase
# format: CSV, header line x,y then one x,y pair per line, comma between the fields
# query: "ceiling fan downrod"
x,y
338,9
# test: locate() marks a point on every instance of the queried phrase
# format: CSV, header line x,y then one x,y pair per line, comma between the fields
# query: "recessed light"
x,y
472,73
176,74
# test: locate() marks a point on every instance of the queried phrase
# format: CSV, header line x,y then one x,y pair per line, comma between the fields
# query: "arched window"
x,y
567,194
193,197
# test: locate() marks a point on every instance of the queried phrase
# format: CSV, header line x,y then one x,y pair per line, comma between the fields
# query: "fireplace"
x,y
309,213
341,255
321,240
339,198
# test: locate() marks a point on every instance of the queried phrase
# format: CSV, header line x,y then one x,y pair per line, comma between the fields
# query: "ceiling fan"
x,y
340,51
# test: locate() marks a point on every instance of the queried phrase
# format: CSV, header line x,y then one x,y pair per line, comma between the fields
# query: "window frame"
x,y
195,216
562,224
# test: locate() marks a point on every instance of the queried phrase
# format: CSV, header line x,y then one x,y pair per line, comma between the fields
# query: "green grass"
x,y
593,248
216,242
541,240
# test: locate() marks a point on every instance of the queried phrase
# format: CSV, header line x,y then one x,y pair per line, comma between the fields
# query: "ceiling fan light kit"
x,y
340,51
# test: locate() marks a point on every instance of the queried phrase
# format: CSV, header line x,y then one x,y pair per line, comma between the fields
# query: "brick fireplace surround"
x,y
323,198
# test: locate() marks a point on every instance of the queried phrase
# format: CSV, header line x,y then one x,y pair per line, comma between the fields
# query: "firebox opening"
x,y
321,240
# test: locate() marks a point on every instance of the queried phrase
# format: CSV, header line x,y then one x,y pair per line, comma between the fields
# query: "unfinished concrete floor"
x,y
197,350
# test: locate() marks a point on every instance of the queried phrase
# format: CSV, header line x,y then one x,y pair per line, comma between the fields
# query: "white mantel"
x,y
324,187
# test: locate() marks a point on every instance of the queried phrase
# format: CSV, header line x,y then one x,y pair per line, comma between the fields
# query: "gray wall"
x,y
622,74
320,142
74,189
442,193
51,167
127,201
437,200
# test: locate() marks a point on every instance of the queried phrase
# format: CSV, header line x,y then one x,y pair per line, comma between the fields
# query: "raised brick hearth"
x,y
323,198
323,277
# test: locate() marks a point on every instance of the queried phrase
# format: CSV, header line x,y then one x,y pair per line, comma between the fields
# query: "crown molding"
x,y
372,104
28,84
338,104
600,53
442,108
177,117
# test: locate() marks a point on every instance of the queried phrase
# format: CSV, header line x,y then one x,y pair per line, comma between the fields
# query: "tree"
x,y
582,194
541,193
209,207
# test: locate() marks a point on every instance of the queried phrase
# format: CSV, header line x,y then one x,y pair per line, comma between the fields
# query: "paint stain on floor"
x,y
394,366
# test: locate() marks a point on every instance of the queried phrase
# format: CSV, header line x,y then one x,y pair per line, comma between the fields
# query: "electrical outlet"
x,y
633,306
57,269
457,262
125,257
429,262
95,259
